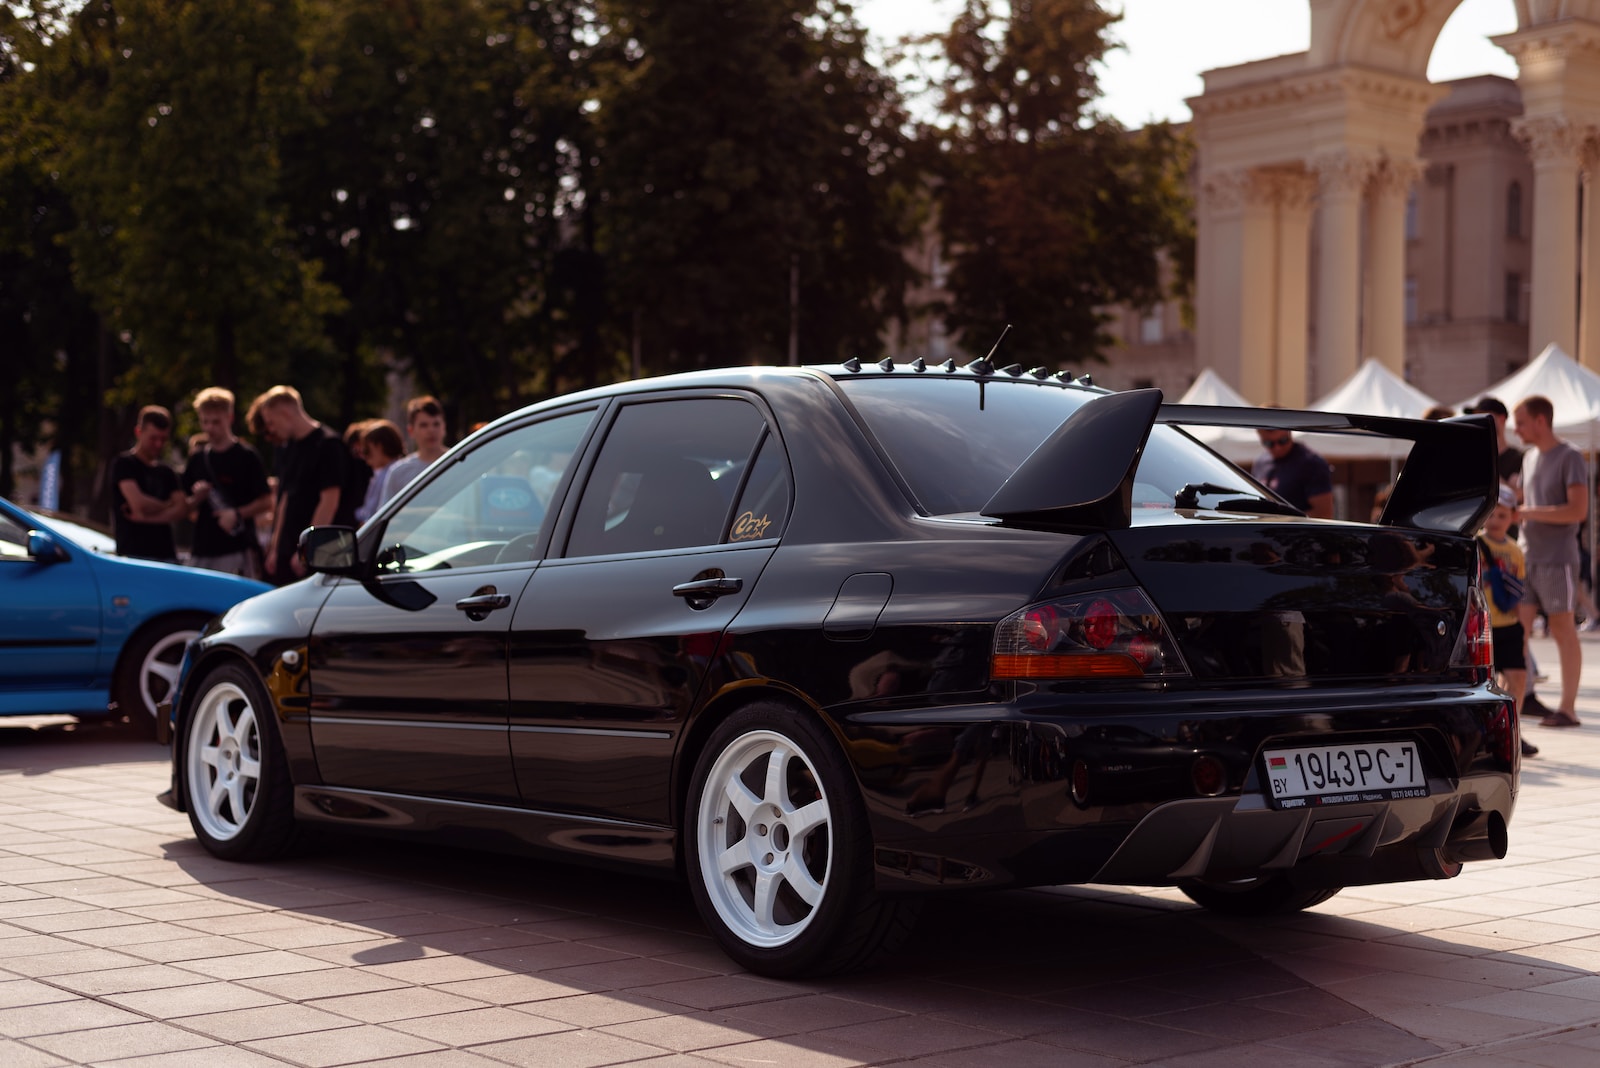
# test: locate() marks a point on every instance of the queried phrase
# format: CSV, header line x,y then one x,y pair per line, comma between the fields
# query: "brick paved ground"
x,y
123,943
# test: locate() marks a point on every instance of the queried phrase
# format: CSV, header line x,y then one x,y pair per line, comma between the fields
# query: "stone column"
x,y
1588,352
1296,194
1217,274
1341,178
1258,290
1386,264
1553,144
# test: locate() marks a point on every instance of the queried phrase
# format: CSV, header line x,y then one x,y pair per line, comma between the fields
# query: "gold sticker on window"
x,y
748,528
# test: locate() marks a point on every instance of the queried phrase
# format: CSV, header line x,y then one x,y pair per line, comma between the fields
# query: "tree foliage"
x,y
161,120
1049,212
506,199
743,142
433,184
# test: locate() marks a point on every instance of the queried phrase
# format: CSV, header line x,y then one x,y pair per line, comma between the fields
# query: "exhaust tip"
x,y
1484,837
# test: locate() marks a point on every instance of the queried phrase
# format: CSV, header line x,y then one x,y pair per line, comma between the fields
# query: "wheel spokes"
x,y
225,761
236,799
801,881
776,790
765,842
766,900
734,858
802,821
741,797
167,673
217,794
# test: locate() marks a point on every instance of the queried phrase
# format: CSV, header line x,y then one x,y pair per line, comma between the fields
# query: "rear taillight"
x,y
1475,644
1108,634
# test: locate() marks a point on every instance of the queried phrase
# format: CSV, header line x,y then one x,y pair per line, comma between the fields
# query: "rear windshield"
x,y
956,440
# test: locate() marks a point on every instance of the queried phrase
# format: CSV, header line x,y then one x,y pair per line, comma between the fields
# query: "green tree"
x,y
434,185
1049,212
50,337
161,120
741,141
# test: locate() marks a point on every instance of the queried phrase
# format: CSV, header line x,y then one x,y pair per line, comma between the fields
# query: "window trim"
x,y
596,445
372,539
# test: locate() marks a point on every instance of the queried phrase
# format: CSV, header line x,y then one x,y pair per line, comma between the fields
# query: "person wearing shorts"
x,y
1555,499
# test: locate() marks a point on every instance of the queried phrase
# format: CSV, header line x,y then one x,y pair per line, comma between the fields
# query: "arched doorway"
x,y
1309,163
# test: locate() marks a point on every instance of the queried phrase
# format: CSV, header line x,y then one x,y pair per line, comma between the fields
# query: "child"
x,y
1503,574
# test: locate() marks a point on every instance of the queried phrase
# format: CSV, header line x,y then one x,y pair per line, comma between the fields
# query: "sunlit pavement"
x,y
122,942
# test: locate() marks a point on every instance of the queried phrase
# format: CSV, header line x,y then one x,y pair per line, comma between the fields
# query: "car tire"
x,y
778,850
147,671
235,775
1271,895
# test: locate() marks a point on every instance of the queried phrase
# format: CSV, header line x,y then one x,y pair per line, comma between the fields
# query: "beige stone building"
x,y
1467,266
1349,209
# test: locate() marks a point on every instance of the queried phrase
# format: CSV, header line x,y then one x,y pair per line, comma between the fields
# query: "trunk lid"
x,y
1300,600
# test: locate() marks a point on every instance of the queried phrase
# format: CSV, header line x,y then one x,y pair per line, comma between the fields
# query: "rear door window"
x,y
667,476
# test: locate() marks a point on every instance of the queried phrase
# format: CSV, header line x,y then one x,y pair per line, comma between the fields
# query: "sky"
x,y
1169,42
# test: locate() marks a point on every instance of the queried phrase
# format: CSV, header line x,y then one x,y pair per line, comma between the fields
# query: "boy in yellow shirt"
x,y
1503,574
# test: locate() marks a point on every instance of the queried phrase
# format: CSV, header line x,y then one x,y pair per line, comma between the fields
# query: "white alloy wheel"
x,y
158,672
765,838
223,759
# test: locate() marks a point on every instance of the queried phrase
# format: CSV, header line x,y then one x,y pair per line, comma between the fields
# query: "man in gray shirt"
x,y
1555,499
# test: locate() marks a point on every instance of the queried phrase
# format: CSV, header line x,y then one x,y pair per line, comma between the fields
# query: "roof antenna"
x,y
985,366
1001,340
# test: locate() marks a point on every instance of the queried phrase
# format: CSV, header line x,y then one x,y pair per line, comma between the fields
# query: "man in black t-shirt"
x,y
227,479
1295,473
309,482
146,497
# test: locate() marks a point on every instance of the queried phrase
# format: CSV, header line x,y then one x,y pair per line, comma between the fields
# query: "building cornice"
x,y
1553,42
1328,84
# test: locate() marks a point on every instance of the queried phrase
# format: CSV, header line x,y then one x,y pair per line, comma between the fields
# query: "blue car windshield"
x,y
85,537
955,440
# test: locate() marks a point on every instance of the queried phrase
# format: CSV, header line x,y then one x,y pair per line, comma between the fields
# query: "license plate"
x,y
1342,774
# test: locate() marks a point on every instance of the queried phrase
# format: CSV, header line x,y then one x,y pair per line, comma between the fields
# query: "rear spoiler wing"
x,y
1449,481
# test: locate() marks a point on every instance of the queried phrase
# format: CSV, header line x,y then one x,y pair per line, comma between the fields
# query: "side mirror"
x,y
330,550
45,549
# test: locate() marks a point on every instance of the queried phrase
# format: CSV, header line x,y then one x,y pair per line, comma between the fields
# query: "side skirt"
x,y
495,828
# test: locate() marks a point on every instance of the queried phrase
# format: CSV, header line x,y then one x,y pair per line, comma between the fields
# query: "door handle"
x,y
708,588
702,593
482,602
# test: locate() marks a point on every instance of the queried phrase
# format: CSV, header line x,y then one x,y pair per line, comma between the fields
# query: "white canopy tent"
x,y
1573,389
1372,390
1238,445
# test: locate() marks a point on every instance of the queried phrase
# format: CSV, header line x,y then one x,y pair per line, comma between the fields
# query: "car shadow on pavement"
x,y
1137,976
358,928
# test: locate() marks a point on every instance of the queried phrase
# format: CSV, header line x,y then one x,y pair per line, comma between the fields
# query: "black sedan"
x,y
822,639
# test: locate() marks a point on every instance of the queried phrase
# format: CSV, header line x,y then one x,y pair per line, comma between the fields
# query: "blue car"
x,y
89,633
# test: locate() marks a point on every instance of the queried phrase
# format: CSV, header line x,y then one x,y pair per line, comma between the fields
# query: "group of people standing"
x,y
1532,572
244,522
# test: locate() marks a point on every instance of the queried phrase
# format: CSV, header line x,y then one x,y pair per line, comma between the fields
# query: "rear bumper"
x,y
1051,789
1220,839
